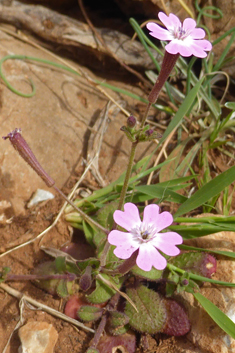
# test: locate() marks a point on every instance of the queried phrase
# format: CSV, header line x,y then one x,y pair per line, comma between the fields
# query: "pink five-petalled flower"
x,y
144,236
185,39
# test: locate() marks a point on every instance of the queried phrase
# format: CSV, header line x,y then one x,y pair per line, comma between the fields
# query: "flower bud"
x,y
86,279
149,132
131,121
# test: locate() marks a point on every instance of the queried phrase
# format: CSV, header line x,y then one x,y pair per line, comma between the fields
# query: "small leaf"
x,y
230,105
151,315
62,290
177,323
117,319
60,264
102,292
105,214
89,313
198,263
152,275
115,344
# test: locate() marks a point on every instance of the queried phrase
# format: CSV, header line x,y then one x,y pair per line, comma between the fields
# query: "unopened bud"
x,y
19,143
149,132
86,279
131,121
185,282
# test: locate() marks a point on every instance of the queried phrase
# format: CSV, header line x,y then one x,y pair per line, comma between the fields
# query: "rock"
x,y
37,337
205,334
54,122
38,196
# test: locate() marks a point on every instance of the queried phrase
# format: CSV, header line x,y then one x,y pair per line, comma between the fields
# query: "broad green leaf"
x,y
151,315
222,320
208,191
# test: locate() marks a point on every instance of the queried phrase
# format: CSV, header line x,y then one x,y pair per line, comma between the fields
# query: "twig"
x,y
15,293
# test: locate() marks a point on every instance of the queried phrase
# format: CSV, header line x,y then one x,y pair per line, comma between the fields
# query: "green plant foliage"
x,y
89,313
209,190
103,292
151,315
152,275
222,320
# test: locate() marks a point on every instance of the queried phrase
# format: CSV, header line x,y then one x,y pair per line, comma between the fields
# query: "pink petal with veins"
x,y
160,220
129,218
149,256
158,32
170,22
189,24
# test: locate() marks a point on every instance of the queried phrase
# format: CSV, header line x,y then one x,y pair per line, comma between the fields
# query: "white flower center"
x,y
180,33
143,233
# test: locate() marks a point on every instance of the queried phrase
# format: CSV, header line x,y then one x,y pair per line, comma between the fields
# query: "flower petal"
x,y
177,46
124,251
171,22
149,256
166,243
160,220
198,33
116,237
158,32
129,218
189,24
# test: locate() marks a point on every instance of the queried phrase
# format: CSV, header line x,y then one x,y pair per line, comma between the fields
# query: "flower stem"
x,y
145,115
64,276
121,200
127,176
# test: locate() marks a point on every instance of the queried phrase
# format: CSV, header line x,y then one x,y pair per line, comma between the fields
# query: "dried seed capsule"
x,y
19,143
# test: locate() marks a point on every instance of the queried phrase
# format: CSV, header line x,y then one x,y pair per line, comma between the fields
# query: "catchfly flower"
x,y
144,236
185,39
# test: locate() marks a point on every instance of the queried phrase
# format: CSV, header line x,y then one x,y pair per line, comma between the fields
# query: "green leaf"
x,y
62,289
209,190
219,252
156,191
89,232
151,315
89,313
103,292
230,105
152,275
222,320
60,264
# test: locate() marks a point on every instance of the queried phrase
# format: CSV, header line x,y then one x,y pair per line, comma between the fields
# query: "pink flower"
x,y
184,39
144,236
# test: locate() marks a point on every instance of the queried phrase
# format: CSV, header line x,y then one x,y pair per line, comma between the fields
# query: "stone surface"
x,y
205,334
56,123
37,337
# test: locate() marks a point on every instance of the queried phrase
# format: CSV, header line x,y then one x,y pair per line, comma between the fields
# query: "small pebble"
x,y
37,337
